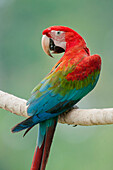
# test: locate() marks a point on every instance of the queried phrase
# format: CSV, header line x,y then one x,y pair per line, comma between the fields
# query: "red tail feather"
x,y
41,154
37,158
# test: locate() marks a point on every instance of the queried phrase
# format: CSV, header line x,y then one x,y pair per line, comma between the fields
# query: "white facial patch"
x,y
58,35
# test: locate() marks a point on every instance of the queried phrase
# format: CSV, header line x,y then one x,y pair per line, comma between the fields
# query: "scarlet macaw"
x,y
72,77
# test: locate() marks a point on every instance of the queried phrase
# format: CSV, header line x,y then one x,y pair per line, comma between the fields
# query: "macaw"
x,y
72,78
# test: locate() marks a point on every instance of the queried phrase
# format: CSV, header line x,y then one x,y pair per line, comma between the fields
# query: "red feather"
x,y
41,154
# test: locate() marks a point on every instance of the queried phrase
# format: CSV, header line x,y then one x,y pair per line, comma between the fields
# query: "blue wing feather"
x,y
51,100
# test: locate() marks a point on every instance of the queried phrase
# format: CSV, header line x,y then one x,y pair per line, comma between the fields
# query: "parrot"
x,y
71,78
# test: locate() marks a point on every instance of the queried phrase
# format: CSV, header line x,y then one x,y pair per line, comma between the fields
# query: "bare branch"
x,y
88,117
84,117
13,104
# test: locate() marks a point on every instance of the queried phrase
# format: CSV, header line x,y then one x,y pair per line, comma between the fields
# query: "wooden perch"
x,y
84,117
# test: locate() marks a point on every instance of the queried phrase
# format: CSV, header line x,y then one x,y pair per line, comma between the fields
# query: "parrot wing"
x,y
64,87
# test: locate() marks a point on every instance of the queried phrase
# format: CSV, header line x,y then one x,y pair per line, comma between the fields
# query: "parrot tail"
x,y
26,124
45,137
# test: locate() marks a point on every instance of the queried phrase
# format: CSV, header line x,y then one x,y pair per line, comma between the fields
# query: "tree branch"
x,y
84,117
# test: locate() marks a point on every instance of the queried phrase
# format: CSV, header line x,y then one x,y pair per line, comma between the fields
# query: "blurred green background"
x,y
23,64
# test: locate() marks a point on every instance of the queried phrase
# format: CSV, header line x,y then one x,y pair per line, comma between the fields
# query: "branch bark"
x,y
84,117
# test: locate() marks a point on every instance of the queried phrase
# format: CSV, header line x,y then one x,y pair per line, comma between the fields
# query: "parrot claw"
x,y
74,125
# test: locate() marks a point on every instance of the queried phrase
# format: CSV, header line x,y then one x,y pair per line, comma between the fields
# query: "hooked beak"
x,y
45,45
55,47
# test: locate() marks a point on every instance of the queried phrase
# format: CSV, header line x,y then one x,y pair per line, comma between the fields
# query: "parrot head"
x,y
58,39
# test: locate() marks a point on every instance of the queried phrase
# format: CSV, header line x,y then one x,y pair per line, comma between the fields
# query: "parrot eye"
x,y
58,32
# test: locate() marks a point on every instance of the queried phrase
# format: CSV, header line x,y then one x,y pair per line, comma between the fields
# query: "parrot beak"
x,y
55,47
45,45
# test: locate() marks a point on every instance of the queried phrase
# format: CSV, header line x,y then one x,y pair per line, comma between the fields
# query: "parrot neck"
x,y
74,40
77,45
74,48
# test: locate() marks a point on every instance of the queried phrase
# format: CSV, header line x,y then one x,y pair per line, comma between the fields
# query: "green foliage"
x,y
23,64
